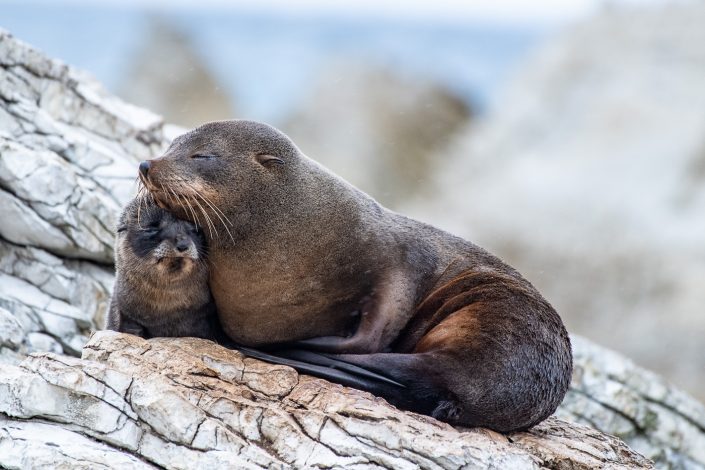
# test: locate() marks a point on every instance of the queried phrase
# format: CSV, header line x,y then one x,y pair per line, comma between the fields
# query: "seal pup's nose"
x,y
144,168
182,245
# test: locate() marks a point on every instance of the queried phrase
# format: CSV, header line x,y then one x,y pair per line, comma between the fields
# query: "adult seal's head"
x,y
273,220
221,172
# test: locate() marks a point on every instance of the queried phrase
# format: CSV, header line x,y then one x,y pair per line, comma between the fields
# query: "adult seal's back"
x,y
299,256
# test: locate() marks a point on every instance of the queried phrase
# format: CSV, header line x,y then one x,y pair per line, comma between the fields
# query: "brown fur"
x,y
298,255
160,290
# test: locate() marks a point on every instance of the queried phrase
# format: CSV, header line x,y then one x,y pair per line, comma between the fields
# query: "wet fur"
x,y
156,294
311,262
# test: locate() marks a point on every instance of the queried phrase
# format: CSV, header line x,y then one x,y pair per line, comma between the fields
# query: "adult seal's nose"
x,y
144,168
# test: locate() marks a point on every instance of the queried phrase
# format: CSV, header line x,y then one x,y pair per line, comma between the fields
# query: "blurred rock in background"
x,y
168,75
378,128
588,177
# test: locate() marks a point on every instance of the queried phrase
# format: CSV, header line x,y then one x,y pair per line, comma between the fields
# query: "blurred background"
x,y
566,136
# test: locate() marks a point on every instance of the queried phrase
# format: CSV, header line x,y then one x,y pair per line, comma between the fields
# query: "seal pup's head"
x,y
154,244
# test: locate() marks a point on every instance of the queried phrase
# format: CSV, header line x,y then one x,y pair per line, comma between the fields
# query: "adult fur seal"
x,y
161,284
300,257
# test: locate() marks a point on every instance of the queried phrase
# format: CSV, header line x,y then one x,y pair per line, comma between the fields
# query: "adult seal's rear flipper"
x,y
331,362
328,368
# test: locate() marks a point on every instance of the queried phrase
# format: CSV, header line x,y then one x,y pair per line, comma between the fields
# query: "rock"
x,y
587,177
376,128
31,444
180,86
610,393
68,153
171,401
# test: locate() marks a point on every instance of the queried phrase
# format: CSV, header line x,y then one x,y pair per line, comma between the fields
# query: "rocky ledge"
x,y
188,403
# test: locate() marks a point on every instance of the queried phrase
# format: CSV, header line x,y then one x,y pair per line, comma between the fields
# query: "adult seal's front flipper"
x,y
328,368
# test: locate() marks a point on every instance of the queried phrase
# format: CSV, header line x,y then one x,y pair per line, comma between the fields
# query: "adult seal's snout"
x,y
144,168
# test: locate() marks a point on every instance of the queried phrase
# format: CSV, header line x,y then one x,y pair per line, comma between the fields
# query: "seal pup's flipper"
x,y
324,367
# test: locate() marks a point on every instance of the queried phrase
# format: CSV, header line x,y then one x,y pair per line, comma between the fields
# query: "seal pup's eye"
x,y
203,156
151,229
265,159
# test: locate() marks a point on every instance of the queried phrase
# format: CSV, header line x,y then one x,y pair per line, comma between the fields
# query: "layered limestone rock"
x,y
609,392
188,403
68,158
68,152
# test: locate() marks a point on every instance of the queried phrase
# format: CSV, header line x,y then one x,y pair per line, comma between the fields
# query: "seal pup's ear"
x,y
267,160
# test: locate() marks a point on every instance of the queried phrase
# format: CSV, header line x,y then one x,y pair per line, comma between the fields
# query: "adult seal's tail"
x,y
300,257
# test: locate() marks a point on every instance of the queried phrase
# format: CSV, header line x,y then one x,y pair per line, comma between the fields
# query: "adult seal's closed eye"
x,y
161,284
299,256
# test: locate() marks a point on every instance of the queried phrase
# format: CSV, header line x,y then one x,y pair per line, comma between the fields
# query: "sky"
x,y
495,11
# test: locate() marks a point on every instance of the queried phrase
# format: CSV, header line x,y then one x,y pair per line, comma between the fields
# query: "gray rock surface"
x,y
609,392
164,402
68,152
187,403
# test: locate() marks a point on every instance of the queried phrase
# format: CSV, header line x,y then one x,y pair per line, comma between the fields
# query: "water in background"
x,y
264,61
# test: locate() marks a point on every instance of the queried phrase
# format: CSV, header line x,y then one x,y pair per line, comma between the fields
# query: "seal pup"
x,y
161,284
300,258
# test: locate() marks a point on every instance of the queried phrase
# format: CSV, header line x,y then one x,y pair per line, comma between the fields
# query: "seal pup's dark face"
x,y
151,238
220,170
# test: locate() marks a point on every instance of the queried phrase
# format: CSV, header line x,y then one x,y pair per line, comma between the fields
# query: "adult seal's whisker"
x,y
214,230
219,217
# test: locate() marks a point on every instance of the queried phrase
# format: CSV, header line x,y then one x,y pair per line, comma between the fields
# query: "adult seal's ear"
x,y
307,259
267,160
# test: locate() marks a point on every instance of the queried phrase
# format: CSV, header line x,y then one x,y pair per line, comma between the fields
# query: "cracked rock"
x,y
68,154
162,402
